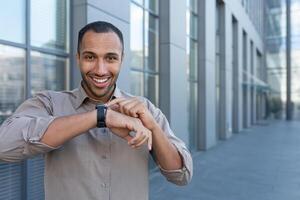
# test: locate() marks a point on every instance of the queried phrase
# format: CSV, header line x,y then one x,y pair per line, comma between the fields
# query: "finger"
x,y
150,142
138,108
142,142
137,139
130,109
128,138
115,101
123,104
115,107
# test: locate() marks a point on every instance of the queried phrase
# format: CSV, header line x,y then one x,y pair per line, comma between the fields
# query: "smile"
x,y
100,80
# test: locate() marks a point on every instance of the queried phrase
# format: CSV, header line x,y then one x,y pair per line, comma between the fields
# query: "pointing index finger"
x,y
115,101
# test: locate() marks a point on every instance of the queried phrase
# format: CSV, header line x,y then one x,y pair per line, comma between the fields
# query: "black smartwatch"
x,y
101,115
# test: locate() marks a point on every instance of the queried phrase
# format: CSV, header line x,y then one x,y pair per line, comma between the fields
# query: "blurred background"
x,y
214,67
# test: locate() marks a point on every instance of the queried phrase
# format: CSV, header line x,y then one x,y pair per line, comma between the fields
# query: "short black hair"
x,y
99,27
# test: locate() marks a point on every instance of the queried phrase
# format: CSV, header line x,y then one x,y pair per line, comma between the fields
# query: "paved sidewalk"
x,y
262,163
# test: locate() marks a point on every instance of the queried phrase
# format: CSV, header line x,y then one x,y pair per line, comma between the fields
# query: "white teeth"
x,y
99,80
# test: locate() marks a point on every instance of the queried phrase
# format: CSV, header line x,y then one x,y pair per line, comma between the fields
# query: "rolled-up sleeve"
x,y
181,176
21,133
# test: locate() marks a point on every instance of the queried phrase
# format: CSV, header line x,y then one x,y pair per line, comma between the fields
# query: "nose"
x,y
101,68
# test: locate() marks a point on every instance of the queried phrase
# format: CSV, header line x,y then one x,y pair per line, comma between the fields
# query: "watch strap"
x,y
101,116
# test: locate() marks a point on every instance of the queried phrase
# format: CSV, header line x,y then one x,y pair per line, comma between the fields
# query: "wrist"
x,y
93,116
101,116
109,117
154,127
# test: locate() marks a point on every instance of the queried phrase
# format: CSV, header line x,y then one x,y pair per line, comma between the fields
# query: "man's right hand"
x,y
122,125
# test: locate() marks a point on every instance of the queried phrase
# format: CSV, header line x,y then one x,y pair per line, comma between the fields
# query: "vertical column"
x,y
248,80
173,77
228,72
86,11
206,74
241,77
236,115
288,61
78,20
254,74
225,71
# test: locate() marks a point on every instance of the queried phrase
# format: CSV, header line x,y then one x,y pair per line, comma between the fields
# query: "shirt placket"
x,y
106,164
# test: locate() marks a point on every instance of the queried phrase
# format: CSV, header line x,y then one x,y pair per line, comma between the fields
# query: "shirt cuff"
x,y
34,134
180,176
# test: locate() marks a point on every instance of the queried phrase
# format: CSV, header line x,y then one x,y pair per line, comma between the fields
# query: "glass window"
x,y
193,110
138,87
151,51
141,2
12,80
10,181
144,46
193,60
152,5
192,69
12,93
48,33
151,92
52,16
47,72
136,37
12,16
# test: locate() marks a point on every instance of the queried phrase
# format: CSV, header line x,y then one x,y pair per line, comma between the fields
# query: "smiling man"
x,y
96,139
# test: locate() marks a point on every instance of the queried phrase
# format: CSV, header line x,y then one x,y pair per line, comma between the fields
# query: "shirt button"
x,y
103,185
103,157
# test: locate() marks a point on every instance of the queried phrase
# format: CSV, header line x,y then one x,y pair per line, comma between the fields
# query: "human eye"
x,y
112,58
89,57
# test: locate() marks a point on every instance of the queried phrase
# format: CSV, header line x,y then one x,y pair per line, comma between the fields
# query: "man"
x,y
97,153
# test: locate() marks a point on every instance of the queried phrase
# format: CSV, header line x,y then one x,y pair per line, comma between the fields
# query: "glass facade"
x,y
144,43
275,41
192,68
34,56
295,58
218,61
255,11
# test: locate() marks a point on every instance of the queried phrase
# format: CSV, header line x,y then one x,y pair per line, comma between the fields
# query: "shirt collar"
x,y
82,96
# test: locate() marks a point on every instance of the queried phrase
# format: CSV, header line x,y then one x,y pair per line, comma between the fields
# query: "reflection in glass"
x,y
141,2
12,21
151,51
152,5
136,86
136,36
151,22
49,24
276,48
47,72
192,69
151,88
193,26
193,60
193,110
12,80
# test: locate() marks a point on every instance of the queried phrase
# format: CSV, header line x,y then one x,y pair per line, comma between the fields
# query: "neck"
x,y
104,99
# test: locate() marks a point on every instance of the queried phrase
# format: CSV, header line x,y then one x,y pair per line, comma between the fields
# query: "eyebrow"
x,y
88,52
112,54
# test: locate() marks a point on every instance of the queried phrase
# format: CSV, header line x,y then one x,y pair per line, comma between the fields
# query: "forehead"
x,y
93,41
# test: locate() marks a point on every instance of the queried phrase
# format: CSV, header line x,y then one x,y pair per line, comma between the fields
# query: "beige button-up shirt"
x,y
97,165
